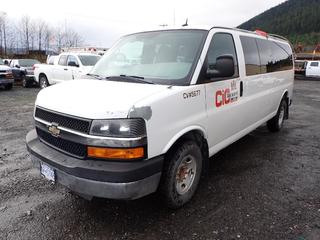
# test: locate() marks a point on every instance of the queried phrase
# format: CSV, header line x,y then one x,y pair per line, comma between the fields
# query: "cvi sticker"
x,y
227,95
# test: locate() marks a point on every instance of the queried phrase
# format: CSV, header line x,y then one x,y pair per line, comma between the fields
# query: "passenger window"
x,y
274,56
63,60
314,64
251,55
222,44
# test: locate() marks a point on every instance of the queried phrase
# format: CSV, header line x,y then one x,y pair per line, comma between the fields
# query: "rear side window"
x,y
265,56
251,55
314,64
63,60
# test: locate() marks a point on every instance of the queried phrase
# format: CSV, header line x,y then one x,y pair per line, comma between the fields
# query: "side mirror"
x,y
17,66
224,67
73,64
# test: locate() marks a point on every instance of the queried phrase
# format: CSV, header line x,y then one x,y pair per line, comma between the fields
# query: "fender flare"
x,y
177,136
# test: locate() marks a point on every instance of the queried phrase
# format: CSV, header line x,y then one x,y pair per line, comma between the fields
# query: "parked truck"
x,y
66,66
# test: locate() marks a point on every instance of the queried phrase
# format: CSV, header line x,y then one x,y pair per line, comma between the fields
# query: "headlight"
x,y
121,128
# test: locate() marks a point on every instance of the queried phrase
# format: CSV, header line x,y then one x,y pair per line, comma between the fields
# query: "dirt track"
x,y
265,186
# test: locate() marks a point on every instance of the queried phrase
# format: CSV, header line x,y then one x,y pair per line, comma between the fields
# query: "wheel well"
x,y
198,137
42,74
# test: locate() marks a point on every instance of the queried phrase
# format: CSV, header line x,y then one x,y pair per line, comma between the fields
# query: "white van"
x,y
157,106
313,69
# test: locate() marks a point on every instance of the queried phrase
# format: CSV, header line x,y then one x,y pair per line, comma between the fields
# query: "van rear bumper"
x,y
114,180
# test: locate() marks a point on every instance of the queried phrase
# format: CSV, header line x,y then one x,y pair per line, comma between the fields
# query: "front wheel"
x,y
276,123
43,82
181,174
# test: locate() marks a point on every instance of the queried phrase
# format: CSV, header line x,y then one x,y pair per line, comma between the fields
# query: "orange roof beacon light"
x,y
261,33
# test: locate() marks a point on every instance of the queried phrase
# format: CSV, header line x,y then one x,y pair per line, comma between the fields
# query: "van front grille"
x,y
66,146
70,122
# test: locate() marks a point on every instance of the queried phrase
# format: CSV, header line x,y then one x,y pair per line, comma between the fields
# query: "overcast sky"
x,y
102,22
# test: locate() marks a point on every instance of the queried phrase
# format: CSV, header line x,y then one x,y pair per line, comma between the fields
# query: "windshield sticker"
x,y
227,95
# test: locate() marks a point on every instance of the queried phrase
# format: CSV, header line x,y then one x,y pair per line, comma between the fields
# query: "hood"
x,y
95,99
4,67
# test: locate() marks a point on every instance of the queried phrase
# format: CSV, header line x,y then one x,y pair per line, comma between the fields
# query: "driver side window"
x,y
222,44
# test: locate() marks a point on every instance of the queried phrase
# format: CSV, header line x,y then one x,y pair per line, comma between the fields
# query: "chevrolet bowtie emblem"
x,y
54,130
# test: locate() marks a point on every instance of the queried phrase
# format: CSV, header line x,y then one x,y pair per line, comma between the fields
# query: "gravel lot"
x,y
265,186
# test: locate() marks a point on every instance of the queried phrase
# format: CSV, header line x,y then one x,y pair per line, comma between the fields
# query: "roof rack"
x,y
254,32
278,36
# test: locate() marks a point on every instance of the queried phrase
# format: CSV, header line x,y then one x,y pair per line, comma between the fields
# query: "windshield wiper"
x,y
97,76
138,79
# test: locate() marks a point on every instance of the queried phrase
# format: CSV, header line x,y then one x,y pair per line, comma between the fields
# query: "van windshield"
x,y
161,57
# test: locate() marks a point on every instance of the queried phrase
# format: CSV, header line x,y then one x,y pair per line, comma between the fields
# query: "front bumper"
x,y
114,180
4,81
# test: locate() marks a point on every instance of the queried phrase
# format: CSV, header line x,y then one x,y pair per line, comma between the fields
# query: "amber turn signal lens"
x,y
116,153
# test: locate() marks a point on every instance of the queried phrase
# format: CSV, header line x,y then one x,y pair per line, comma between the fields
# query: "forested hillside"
x,y
298,20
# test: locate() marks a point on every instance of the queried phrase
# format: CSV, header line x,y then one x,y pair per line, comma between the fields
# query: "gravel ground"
x,y
265,186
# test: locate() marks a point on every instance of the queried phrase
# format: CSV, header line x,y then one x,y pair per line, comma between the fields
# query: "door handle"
x,y
241,88
66,69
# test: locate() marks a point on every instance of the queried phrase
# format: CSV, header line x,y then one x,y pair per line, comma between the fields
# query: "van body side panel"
x,y
173,111
262,94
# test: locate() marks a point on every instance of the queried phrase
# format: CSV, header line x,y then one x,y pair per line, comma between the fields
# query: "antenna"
x,y
186,24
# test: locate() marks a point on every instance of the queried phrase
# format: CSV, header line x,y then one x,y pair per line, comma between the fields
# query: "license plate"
x,y
47,172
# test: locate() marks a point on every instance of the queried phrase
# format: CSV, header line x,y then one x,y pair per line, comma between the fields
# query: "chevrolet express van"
x,y
156,107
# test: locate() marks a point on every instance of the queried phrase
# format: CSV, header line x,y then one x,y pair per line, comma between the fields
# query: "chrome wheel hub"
x,y
185,174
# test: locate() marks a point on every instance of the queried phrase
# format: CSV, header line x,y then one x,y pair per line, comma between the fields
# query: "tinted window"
x,y
314,64
72,58
282,60
63,60
27,62
251,55
274,56
221,44
89,60
1,62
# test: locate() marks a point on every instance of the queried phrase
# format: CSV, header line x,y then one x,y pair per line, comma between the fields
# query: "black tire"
x,y
43,82
172,182
8,86
25,82
276,123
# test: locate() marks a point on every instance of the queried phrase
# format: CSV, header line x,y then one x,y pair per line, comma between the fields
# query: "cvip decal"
x,y
227,96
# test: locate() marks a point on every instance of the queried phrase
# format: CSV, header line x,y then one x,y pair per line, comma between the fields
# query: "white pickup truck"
x,y
67,66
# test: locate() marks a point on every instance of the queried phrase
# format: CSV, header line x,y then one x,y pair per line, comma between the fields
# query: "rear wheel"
x,y
8,86
181,174
43,81
276,123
